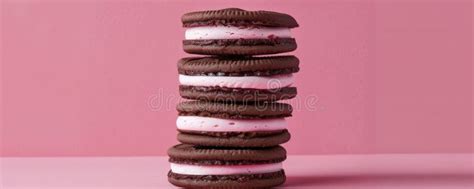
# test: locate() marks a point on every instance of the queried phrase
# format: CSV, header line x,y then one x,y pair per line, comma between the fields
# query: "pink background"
x,y
99,77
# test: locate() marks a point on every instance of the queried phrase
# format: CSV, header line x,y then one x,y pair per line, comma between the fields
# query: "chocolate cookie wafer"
x,y
238,32
238,79
201,167
233,125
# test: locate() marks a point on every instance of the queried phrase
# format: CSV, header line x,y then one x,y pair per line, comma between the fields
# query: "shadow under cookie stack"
x,y
232,130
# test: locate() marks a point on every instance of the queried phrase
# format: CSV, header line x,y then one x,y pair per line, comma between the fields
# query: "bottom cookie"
x,y
262,180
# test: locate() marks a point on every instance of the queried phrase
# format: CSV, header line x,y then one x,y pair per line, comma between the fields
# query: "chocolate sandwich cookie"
x,y
238,79
235,31
201,167
233,125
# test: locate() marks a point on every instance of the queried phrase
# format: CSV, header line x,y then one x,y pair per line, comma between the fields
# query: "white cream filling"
x,y
232,32
186,169
210,124
248,82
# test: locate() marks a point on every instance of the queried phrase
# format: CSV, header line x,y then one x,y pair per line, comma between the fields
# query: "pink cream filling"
x,y
224,169
232,32
196,123
249,82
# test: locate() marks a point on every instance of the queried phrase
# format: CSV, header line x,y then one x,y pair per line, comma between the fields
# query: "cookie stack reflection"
x,y
232,124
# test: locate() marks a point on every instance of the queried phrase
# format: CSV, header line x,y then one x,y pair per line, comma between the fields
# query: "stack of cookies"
x,y
231,132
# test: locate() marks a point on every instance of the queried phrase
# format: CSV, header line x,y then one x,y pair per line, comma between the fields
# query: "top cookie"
x,y
238,17
241,66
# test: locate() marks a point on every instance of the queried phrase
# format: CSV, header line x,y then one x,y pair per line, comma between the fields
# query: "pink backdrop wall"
x,y
99,77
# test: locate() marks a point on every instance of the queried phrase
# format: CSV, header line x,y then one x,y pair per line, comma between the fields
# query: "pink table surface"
x,y
328,171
